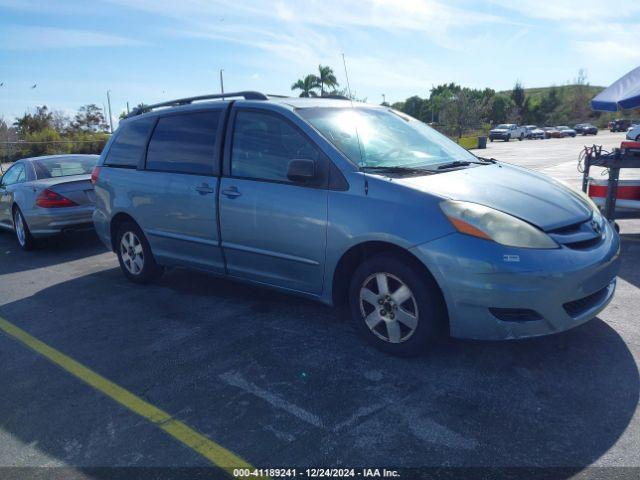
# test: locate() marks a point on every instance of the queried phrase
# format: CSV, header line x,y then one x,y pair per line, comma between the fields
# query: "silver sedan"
x,y
45,196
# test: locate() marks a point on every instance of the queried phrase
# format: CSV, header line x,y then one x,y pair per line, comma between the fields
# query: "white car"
x,y
507,131
633,133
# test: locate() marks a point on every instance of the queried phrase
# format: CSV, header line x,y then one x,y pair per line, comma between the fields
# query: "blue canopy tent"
x,y
622,94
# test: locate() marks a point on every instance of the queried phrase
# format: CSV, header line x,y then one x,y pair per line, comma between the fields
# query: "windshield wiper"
x,y
466,163
394,169
487,160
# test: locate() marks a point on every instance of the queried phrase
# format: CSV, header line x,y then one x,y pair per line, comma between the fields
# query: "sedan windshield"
x,y
376,137
64,166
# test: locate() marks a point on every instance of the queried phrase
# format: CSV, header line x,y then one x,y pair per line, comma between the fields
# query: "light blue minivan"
x,y
353,204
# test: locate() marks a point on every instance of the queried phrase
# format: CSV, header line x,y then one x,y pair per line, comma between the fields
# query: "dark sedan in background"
x,y
586,129
45,196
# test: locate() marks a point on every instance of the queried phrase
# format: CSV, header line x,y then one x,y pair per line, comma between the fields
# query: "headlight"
x,y
485,222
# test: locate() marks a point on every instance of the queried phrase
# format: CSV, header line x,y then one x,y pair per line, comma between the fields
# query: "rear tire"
x,y
394,306
507,139
135,256
21,229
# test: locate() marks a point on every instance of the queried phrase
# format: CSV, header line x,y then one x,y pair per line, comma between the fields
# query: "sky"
x,y
154,50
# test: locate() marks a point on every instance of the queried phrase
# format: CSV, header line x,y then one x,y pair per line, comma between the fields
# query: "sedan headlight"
x,y
485,222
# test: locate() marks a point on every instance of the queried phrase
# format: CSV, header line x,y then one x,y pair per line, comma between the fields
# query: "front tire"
x,y
135,256
21,229
395,306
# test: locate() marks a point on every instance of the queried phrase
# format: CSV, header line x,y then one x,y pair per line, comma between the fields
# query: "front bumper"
x,y
46,222
498,135
565,287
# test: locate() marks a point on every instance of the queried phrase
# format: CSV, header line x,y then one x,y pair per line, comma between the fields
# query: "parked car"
x,y
411,231
634,134
566,131
45,196
552,132
586,129
619,125
532,132
507,131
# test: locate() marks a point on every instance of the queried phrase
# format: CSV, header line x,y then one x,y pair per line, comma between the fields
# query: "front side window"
x,y
63,166
264,144
128,147
184,143
14,175
377,137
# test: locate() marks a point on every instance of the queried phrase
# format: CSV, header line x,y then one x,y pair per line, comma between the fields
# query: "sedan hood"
x,y
533,197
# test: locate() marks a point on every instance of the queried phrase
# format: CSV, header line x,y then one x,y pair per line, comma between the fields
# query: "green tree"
x,y
43,142
326,79
30,123
519,97
307,86
89,119
500,109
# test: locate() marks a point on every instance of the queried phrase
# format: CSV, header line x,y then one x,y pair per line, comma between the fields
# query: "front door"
x,y
273,229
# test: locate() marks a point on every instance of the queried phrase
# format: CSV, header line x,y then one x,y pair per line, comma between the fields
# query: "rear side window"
x,y
184,143
128,147
264,144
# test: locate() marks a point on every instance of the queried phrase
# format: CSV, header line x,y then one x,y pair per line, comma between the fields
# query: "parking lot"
x,y
283,382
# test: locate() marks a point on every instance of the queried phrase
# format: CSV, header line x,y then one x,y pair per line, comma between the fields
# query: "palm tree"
x,y
307,86
326,79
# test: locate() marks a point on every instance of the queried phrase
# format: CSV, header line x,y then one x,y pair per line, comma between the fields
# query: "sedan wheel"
x,y
23,235
388,307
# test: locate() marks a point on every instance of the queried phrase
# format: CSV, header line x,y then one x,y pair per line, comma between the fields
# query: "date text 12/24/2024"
x,y
315,473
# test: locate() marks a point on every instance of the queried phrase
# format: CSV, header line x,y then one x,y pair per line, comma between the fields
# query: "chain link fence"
x,y
12,151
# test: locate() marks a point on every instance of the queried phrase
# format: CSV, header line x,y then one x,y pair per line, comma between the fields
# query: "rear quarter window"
x,y
128,147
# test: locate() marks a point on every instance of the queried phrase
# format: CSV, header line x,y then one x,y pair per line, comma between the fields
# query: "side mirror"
x,y
301,170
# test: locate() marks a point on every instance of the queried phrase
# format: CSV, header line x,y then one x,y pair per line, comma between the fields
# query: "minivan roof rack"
x,y
247,95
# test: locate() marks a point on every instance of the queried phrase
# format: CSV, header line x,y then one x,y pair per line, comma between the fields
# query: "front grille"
x,y
578,236
580,306
515,314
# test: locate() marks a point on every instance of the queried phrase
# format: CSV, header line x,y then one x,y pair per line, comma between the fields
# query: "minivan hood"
x,y
531,196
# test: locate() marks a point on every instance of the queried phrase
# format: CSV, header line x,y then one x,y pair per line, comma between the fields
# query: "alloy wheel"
x,y
132,253
388,307
19,227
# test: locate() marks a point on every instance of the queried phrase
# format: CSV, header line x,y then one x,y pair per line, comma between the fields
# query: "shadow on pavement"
x,y
630,254
285,382
51,251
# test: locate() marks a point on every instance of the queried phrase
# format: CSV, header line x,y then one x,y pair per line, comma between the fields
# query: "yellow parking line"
x,y
216,454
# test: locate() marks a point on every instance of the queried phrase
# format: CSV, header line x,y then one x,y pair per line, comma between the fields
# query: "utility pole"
x,y
221,81
127,108
110,116
384,99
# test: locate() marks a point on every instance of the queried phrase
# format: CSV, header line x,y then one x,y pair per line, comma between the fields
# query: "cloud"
x,y
434,20
18,37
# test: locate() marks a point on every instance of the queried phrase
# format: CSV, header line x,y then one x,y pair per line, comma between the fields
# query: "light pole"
x,y
221,81
110,116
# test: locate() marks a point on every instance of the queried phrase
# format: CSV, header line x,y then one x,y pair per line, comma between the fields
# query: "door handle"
x,y
231,192
204,189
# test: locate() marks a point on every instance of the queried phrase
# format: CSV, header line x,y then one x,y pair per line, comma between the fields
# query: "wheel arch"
x,y
117,220
357,254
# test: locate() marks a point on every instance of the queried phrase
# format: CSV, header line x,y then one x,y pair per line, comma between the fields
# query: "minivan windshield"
x,y
386,138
